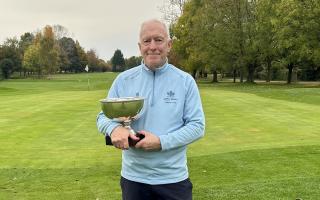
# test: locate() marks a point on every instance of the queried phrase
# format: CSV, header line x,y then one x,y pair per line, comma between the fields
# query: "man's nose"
x,y
153,44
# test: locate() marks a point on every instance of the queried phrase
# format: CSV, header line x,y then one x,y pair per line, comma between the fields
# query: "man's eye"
x,y
158,40
146,41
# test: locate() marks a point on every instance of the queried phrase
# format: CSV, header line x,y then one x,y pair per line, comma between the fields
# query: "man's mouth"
x,y
153,54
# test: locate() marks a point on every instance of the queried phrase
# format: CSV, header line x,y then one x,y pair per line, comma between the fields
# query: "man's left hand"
x,y
150,142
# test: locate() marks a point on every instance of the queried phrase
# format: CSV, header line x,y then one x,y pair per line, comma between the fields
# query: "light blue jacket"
x,y
173,111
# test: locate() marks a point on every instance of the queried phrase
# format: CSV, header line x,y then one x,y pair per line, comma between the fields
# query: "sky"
x,y
102,25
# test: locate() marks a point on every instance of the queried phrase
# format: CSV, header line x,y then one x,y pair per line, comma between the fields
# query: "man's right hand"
x,y
120,137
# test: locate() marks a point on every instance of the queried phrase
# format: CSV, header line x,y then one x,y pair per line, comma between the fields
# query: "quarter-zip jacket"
x,y
172,111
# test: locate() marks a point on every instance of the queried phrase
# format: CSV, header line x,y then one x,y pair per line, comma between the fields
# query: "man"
x,y
156,166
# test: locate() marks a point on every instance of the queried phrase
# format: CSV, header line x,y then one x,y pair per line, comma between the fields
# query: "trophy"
x,y
123,110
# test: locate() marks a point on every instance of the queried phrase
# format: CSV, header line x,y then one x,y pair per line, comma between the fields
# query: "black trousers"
x,y
139,191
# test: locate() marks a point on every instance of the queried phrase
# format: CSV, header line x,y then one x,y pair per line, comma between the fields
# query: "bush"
x,y
6,66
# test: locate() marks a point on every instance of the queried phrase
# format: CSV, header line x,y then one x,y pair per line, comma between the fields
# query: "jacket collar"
x,y
158,69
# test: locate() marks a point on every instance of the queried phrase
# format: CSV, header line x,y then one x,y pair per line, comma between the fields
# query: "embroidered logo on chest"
x,y
170,97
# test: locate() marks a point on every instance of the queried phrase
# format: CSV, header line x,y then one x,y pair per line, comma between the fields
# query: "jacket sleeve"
x,y
104,124
194,121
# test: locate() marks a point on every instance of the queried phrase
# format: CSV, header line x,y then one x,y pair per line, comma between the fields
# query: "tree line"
x,y
50,51
248,39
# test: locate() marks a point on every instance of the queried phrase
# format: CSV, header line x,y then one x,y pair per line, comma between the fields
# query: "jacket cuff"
x,y
163,142
111,127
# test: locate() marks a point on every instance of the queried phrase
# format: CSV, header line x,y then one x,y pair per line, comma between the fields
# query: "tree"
x,y
60,31
132,62
310,50
83,60
6,65
212,35
26,40
186,38
221,36
265,35
103,66
172,10
10,50
32,60
68,46
117,61
64,62
49,50
93,60
244,36
292,33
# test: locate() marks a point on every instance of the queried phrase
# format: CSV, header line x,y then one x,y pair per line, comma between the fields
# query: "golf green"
x,y
262,141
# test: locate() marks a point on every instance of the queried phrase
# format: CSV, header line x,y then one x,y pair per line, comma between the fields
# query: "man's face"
x,y
154,44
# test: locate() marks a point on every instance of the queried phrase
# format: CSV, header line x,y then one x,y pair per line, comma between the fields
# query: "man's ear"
x,y
169,45
139,46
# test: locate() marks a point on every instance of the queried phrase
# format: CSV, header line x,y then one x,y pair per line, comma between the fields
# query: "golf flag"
x,y
87,68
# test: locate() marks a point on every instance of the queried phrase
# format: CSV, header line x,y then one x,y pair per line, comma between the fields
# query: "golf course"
x,y
262,141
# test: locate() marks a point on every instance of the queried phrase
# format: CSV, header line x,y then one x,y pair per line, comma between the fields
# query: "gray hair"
x,y
155,21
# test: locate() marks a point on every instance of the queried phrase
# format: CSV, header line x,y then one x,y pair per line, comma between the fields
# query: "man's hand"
x,y
150,142
120,137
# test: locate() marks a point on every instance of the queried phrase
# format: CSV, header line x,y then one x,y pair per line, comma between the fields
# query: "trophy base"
x,y
108,140
131,142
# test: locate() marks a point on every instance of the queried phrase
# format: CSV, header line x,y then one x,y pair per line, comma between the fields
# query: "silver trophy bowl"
x,y
123,110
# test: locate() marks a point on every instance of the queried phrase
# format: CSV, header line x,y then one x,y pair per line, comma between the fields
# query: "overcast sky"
x,y
103,25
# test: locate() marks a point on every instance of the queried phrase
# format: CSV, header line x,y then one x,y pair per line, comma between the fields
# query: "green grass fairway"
x,y
262,141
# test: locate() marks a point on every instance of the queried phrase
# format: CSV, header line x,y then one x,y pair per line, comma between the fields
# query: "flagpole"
x,y
88,81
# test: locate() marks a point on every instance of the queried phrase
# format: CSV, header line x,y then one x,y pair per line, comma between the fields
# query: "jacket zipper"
x,y
153,86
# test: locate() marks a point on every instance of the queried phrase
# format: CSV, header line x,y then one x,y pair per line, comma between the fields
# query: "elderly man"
x,y
156,166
